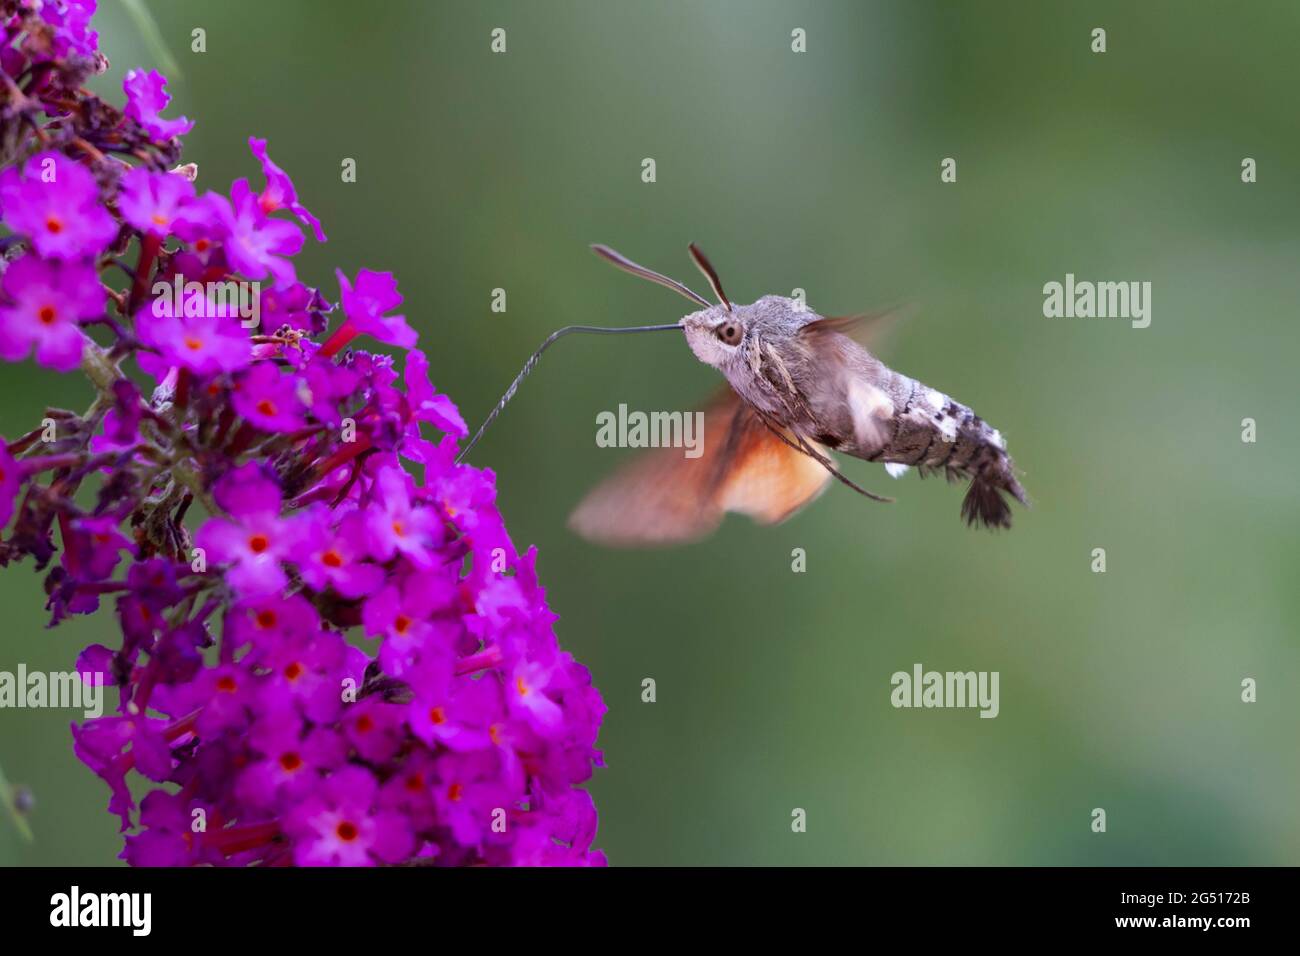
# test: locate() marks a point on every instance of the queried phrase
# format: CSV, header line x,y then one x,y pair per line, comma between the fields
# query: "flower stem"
x,y
344,334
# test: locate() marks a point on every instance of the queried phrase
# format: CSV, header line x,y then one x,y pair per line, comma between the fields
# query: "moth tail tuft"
x,y
984,505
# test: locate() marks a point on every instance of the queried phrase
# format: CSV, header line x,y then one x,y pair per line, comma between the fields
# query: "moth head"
x,y
715,335
716,332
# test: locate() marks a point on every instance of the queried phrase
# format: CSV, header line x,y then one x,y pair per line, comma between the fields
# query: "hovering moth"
x,y
799,386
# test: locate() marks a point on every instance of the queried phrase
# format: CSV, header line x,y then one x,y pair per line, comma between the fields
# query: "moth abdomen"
x,y
937,434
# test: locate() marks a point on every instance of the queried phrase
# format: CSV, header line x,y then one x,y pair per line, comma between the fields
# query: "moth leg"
x,y
803,447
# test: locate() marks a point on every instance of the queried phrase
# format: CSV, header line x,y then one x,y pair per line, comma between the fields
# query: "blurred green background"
x,y
820,170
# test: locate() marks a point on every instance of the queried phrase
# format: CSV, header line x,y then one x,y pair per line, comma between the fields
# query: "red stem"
x,y
344,334
181,396
69,555
237,839
343,456
480,661
149,247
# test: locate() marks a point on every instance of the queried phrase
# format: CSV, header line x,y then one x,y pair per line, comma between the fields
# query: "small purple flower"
x,y
332,557
99,744
375,729
410,792
146,97
365,306
306,670
326,385
255,540
121,425
55,203
293,760
49,300
279,192
94,547
526,692
202,223
71,20
270,620
255,244
223,695
469,789
269,399
426,404
154,582
343,826
152,202
403,617
397,526
458,715
169,838
562,834
204,344
296,306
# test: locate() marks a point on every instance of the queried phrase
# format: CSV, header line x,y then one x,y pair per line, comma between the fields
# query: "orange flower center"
x,y
47,315
258,543
347,831
332,559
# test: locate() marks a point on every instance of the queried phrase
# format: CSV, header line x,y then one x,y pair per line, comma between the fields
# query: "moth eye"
x,y
729,333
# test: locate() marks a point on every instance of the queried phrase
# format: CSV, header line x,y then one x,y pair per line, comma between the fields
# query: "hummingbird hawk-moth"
x,y
799,385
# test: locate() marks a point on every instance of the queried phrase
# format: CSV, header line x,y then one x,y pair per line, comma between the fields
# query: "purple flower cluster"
x,y
337,664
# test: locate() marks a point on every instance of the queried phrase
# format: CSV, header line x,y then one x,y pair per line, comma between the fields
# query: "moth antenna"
x,y
627,265
704,265
536,356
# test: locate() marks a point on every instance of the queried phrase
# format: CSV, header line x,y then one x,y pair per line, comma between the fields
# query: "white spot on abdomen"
x,y
871,407
936,399
896,469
